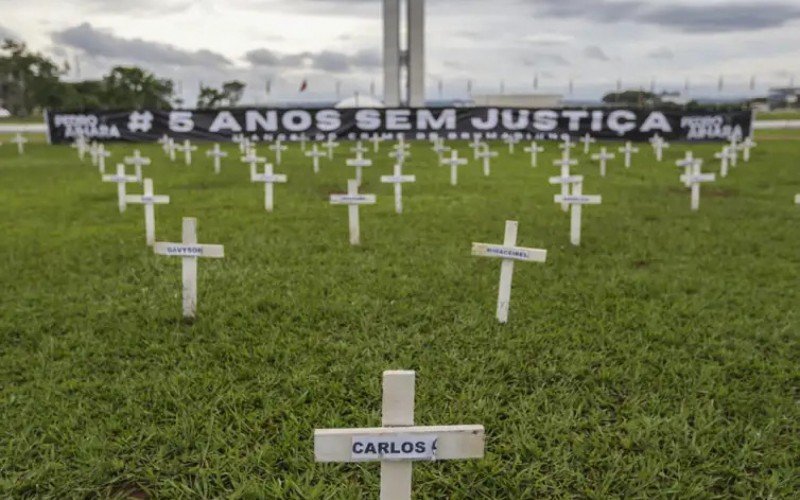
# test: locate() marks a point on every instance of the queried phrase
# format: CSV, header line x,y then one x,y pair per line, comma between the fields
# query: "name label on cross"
x,y
346,198
173,249
393,448
578,200
513,253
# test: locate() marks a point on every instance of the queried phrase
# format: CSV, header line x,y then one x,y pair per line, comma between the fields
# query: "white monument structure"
x,y
404,63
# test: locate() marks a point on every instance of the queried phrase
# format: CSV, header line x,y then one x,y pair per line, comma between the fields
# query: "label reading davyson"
x,y
388,448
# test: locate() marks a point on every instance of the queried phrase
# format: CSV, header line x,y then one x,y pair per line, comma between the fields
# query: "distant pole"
x,y
469,88
338,90
536,82
502,87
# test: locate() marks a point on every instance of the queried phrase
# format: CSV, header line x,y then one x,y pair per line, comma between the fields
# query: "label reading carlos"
x,y
397,447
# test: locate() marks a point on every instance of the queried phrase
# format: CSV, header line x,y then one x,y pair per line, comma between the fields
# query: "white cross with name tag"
x,y
353,199
486,155
20,141
330,145
695,179
148,200
359,150
252,159
121,180
398,179
80,145
399,155
102,154
217,154
566,146
603,158
476,145
164,141
440,148
686,164
137,160
511,141
172,148
454,161
268,178
659,144
376,140
576,200
587,141
359,163
277,147
565,163
315,154
724,157
189,250
94,147
628,150
534,149
746,146
398,443
187,149
734,149
509,252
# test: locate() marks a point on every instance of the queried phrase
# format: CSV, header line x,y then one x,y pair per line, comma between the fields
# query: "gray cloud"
x,y
326,60
104,44
595,52
713,18
545,58
7,33
662,53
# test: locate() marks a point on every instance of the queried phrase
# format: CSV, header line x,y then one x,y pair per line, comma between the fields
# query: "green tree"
x,y
229,96
29,81
130,87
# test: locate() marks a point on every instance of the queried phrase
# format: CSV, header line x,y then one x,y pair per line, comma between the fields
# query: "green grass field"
x,y
660,359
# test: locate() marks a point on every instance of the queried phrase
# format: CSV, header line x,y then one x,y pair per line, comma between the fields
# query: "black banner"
x,y
289,124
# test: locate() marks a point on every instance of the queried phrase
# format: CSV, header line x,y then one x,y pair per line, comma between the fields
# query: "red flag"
x,y
304,86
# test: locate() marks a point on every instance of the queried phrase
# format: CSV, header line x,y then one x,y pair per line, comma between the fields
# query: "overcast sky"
x,y
593,42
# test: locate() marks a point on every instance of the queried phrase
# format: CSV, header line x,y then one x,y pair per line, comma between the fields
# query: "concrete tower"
x,y
404,65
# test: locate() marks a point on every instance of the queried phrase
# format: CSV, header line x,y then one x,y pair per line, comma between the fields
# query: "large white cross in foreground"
x,y
454,161
217,154
137,160
20,141
509,252
603,157
353,199
189,250
148,199
628,150
268,178
315,154
576,200
534,149
121,180
398,443
398,179
694,180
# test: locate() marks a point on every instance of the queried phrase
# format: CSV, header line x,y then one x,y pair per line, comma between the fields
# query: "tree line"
x,y
31,82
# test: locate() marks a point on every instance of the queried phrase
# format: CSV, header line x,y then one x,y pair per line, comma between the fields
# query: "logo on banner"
x,y
140,122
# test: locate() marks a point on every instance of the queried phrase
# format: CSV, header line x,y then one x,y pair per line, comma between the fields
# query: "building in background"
x,y
784,97
404,64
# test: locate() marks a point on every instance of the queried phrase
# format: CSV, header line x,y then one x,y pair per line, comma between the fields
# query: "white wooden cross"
x,y
534,149
189,251
251,159
148,200
486,155
315,154
734,149
686,164
509,252
659,144
440,148
566,146
398,443
565,163
303,140
94,147
172,148
241,141
603,157
268,178
576,200
187,149
398,179
353,199
399,155
20,141
330,145
695,179
277,147
164,141
797,199
121,179
511,140
476,145
359,163
80,145
217,154
359,150
587,141
746,146
628,150
454,161
376,140
102,154
723,156
137,160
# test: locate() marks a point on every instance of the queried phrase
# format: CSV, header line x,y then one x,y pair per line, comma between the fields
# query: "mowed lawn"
x,y
660,359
